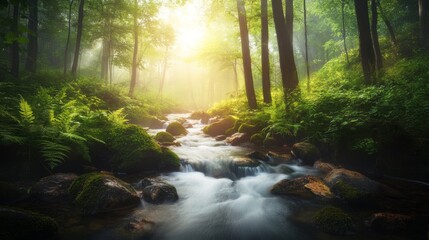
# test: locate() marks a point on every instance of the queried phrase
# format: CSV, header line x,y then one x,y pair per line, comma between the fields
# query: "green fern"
x,y
118,117
26,113
54,153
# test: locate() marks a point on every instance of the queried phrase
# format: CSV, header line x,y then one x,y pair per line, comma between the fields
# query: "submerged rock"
x,y
304,187
23,224
220,138
176,129
142,227
157,191
53,188
96,193
334,220
259,156
307,152
245,162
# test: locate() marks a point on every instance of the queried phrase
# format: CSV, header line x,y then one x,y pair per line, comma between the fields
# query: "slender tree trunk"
x,y
265,58
78,37
343,4
136,49
164,71
31,62
247,65
365,43
234,68
374,35
289,18
307,64
287,61
14,48
423,17
105,60
388,25
66,52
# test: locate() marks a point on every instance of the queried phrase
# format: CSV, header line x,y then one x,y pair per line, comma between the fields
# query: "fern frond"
x,y
118,117
95,139
53,153
8,136
73,137
27,115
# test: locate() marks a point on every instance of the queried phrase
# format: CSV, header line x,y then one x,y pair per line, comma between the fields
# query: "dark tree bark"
x,y
307,65
66,51
388,25
423,16
31,62
265,59
365,43
105,60
289,18
374,35
78,37
247,64
136,49
14,48
343,3
287,61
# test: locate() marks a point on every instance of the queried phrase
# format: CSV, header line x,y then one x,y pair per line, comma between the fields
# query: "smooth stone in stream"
x,y
157,191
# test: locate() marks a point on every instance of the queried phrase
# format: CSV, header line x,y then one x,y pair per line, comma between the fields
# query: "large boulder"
x,y
97,192
334,220
176,129
387,222
307,152
324,167
150,122
53,188
164,137
23,224
219,127
238,138
303,187
158,191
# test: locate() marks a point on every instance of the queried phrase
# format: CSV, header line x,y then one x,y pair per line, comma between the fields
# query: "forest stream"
x,y
218,199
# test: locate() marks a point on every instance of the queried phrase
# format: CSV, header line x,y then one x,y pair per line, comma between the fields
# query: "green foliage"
x,y
164,137
257,139
333,220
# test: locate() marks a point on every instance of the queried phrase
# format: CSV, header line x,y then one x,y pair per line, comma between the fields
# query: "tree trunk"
x,y
105,60
388,25
287,61
289,18
343,3
247,65
14,48
78,37
66,52
265,59
136,49
307,65
374,35
365,43
423,9
31,62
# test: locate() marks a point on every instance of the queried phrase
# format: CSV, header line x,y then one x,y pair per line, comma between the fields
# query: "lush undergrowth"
x,y
383,127
51,123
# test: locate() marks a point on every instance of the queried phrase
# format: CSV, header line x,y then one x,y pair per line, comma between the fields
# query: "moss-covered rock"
x,y
176,129
303,187
349,193
53,188
257,139
164,137
96,193
334,220
270,142
23,224
307,152
220,127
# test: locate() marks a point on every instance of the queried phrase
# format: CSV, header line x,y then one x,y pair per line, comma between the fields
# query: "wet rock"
x,y
220,137
219,127
324,167
176,129
205,118
157,191
141,227
280,158
259,156
164,137
200,115
303,187
387,222
23,224
307,152
53,188
150,122
238,138
245,162
96,193
334,220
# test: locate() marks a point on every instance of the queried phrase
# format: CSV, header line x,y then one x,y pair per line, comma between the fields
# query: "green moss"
x,y
333,220
164,137
169,161
247,128
23,224
176,129
348,193
257,139
220,128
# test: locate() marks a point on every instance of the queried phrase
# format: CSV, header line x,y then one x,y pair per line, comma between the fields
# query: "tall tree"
x,y
388,24
265,58
66,51
374,35
343,32
307,65
289,18
247,64
285,45
78,37
424,26
31,62
365,42
136,49
14,48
